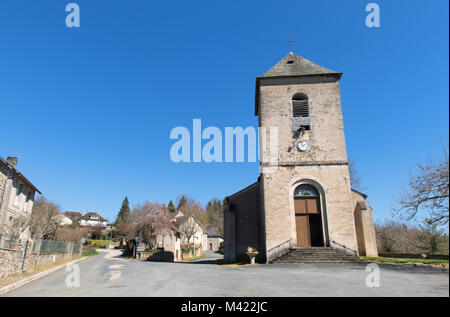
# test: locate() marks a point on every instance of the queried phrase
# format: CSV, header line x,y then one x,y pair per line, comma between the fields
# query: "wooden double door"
x,y
308,221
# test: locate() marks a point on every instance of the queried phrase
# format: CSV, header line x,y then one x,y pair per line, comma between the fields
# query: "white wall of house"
x,y
62,220
205,242
199,238
170,243
21,198
91,222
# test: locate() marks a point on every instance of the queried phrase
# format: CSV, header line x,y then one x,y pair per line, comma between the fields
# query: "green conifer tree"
x,y
124,213
171,206
182,202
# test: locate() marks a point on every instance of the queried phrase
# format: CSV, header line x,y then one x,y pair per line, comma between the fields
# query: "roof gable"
x,y
297,68
179,221
19,175
294,65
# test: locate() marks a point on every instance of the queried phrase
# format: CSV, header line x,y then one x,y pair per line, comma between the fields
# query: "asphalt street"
x,y
109,274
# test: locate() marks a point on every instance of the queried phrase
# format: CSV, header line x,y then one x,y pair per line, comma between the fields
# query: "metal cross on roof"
x,y
289,41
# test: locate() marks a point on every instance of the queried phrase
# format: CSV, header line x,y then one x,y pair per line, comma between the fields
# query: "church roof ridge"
x,y
295,65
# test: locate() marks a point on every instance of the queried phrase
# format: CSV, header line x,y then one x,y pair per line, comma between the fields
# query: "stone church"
x,y
306,201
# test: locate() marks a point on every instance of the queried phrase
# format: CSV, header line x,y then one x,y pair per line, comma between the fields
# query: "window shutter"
x,y
300,113
300,108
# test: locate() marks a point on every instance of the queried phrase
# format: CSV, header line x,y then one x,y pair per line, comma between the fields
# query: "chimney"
x,y
12,161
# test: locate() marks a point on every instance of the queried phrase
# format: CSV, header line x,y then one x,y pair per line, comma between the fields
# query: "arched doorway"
x,y
308,217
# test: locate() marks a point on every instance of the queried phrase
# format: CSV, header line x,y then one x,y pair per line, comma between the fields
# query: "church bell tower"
x,y
305,192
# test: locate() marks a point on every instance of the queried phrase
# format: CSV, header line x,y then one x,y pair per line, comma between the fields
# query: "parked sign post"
x,y
136,241
24,256
83,240
140,247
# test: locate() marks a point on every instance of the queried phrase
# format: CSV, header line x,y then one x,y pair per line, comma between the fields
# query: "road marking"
x,y
117,266
114,275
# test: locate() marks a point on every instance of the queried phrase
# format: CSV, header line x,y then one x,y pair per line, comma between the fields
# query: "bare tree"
x,y
396,237
15,227
42,220
355,177
148,229
193,214
148,221
193,208
183,200
188,230
427,192
214,212
69,233
142,210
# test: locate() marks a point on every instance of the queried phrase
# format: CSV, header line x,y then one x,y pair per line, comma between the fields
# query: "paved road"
x,y
109,275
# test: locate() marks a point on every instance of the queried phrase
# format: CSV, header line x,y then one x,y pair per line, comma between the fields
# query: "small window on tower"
x,y
300,112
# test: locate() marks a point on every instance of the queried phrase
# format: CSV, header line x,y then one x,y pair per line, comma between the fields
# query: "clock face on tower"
x,y
303,146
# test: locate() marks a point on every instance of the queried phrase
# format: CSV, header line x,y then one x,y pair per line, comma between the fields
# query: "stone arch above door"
x,y
309,188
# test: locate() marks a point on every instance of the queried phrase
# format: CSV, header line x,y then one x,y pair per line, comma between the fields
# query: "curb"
x,y
10,287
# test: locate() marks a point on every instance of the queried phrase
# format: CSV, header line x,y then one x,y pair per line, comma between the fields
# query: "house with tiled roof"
x,y
75,216
191,225
93,219
214,238
17,194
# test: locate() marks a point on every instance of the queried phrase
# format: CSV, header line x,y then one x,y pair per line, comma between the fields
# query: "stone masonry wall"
x,y
11,260
242,226
324,164
365,228
335,201
326,137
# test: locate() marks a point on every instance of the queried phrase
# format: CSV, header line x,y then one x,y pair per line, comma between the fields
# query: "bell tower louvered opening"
x,y
300,112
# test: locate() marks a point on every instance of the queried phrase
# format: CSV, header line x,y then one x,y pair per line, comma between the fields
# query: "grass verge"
x,y
406,261
196,258
90,253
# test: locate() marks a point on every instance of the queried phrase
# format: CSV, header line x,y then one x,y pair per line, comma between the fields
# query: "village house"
x,y
179,235
62,220
74,216
214,239
17,193
93,219
303,198
191,231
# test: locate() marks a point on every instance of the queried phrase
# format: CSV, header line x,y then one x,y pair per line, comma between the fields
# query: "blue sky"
x,y
89,110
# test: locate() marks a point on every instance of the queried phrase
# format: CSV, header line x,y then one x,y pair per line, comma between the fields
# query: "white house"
x,y
93,219
62,220
191,229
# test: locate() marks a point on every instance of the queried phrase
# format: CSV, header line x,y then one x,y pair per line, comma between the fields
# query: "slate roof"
x,y
212,232
294,65
179,220
361,194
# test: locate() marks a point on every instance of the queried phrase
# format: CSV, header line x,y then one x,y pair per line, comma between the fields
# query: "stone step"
x,y
316,261
317,255
320,256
